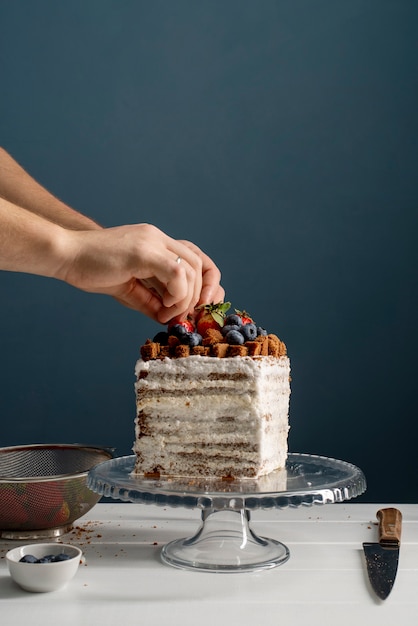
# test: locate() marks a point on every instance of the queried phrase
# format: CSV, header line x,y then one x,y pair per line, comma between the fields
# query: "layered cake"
x,y
212,399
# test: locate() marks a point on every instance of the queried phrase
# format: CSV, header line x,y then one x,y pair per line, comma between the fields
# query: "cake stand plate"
x,y
225,541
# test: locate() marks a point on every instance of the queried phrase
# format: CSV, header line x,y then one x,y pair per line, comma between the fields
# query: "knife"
x,y
382,558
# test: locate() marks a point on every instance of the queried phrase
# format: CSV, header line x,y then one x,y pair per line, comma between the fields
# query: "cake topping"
x,y
216,334
187,325
245,318
211,316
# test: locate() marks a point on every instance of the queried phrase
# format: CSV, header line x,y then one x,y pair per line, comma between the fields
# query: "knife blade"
x,y
382,558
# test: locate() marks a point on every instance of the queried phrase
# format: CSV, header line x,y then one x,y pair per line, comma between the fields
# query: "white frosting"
x,y
206,415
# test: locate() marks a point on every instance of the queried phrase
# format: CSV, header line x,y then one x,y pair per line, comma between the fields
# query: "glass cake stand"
x,y
225,541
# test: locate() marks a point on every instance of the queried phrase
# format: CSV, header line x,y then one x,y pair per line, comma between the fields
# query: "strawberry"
x,y
211,316
49,492
187,324
62,515
14,511
245,317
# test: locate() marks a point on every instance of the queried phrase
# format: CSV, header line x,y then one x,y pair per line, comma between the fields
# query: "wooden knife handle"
x,y
390,526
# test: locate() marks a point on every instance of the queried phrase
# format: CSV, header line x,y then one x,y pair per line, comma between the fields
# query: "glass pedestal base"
x,y
225,543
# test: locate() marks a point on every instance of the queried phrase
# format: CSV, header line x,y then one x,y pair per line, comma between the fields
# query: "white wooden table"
x,y
123,580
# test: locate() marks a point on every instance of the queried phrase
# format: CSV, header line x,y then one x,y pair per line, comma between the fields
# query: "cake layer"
x,y
215,417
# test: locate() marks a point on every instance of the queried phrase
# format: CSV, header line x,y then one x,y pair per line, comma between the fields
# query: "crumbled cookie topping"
x,y
215,334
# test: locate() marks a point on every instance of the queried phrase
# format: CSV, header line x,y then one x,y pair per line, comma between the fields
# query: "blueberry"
x,y
225,329
261,331
193,339
249,332
61,557
234,337
161,338
179,331
233,320
28,558
47,559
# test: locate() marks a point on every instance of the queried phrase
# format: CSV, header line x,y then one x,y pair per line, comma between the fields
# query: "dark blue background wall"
x,y
281,137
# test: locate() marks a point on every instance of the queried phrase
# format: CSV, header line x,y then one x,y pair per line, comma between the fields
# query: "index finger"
x,y
211,290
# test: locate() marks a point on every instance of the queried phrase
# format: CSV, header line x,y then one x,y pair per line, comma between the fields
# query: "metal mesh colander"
x,y
43,487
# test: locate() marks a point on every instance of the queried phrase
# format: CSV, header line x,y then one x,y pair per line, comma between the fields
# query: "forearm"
x,y
29,243
138,265
22,190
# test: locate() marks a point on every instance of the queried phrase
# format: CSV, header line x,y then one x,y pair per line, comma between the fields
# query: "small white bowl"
x,y
43,576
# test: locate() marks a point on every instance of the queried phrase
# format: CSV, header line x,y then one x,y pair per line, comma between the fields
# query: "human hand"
x,y
139,265
211,289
